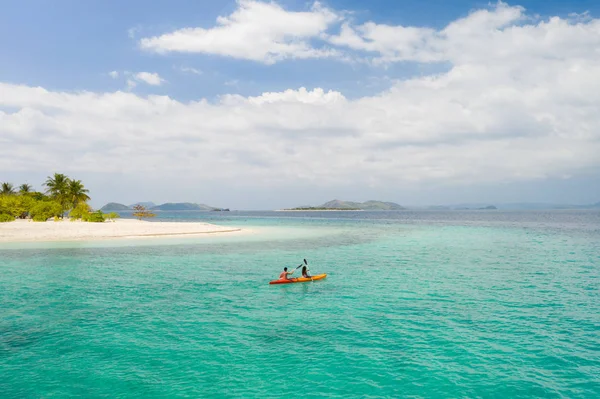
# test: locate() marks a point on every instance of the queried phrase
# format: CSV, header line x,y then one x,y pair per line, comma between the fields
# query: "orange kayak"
x,y
299,279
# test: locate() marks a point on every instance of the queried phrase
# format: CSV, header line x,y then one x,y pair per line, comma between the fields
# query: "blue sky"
x,y
78,42
370,123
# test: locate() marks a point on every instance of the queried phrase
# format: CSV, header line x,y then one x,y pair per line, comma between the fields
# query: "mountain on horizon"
x,y
146,204
183,206
524,206
114,206
366,206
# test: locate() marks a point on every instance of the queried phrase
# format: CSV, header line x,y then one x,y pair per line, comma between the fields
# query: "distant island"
x,y
339,205
479,208
113,206
545,206
522,206
320,208
169,206
182,206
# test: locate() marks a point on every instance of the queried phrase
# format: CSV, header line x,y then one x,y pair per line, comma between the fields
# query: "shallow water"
x,y
416,304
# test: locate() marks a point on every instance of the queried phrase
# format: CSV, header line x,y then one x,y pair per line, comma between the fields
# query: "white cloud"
x,y
152,79
501,33
256,30
393,43
465,126
519,102
302,96
191,70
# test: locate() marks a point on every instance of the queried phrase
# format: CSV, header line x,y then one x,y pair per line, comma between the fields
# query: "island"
x,y
320,208
475,208
182,206
339,205
114,206
62,213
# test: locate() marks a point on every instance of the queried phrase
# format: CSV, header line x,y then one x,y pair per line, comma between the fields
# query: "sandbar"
x,y
66,230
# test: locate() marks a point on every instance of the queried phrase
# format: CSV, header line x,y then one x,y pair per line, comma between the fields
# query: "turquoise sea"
x,y
420,304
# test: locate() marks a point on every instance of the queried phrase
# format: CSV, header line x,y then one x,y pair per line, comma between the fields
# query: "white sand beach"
x,y
66,230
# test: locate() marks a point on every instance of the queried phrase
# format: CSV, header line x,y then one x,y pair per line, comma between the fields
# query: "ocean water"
x,y
416,304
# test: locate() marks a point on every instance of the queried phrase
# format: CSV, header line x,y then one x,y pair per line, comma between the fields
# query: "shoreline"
x,y
28,231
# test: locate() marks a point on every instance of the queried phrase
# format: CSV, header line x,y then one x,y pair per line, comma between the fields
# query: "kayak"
x,y
299,279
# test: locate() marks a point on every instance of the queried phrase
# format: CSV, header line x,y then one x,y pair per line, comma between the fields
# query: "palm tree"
x,y
25,188
58,188
57,185
77,193
7,189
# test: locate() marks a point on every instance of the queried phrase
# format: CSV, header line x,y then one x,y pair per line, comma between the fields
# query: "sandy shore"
x,y
26,231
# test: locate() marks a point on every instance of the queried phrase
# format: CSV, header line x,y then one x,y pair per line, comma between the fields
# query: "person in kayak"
x,y
284,274
305,272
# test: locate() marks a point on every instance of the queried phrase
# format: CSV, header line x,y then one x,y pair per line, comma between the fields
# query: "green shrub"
x,y
6,218
113,215
94,217
27,202
44,210
12,205
80,211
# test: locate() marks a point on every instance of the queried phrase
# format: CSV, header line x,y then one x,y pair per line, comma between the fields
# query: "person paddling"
x,y
305,272
284,274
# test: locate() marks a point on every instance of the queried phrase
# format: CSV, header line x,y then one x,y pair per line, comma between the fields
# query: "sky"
x,y
266,104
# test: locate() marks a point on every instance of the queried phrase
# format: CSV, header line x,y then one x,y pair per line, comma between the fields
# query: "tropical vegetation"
x,y
25,188
142,212
62,196
7,189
